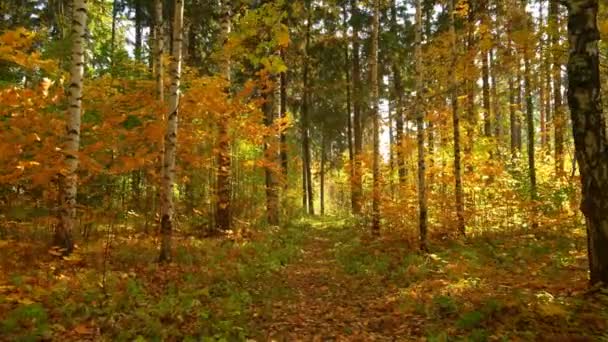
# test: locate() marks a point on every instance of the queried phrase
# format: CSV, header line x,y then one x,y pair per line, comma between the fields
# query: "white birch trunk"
x,y
168,174
63,234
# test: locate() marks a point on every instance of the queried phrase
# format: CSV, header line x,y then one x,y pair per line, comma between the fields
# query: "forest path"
x,y
326,303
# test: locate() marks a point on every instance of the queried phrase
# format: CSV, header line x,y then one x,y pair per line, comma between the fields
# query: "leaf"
x,y
551,310
83,329
55,252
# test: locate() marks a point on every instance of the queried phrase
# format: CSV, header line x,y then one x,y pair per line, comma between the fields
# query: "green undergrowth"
x,y
206,293
520,285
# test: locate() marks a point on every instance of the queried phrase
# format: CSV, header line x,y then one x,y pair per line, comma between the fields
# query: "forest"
x,y
309,170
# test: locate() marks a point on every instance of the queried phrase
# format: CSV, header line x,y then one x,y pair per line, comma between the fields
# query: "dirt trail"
x,y
329,305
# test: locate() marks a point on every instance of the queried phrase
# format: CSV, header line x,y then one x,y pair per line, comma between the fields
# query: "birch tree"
x,y
69,177
168,172
588,125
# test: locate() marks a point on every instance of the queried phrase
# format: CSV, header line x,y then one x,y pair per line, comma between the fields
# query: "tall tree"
x,y
485,68
305,114
168,172
589,129
223,171
349,124
422,201
527,51
376,121
559,117
357,179
456,123
398,95
69,179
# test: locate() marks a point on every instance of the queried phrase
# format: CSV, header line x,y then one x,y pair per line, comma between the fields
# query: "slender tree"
x,y
422,201
456,125
223,171
168,172
398,95
376,121
357,179
305,114
589,129
559,117
69,179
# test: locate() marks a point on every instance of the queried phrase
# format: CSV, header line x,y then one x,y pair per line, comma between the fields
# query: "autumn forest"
x,y
308,170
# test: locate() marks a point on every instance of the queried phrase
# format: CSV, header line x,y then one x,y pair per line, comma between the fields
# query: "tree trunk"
x,y
272,196
531,130
138,50
423,219
559,117
283,114
168,175
113,36
322,175
376,121
485,75
305,118
398,88
470,88
223,214
519,101
158,49
357,179
588,124
540,84
349,125
513,117
456,125
69,179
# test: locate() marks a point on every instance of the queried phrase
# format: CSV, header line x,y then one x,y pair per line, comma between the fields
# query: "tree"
x,y
168,172
357,179
398,89
527,51
69,178
305,115
422,202
456,125
223,172
559,119
589,130
376,121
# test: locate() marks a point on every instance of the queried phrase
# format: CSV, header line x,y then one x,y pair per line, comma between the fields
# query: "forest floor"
x,y
313,280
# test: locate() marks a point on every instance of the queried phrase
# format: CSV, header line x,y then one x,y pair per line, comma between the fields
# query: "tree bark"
x,y
283,114
322,175
456,125
168,175
422,201
559,117
305,118
158,49
272,195
223,214
589,129
530,124
376,121
69,178
357,179
349,125
398,88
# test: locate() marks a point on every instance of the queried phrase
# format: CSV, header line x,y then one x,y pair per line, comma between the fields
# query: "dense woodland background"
x,y
308,170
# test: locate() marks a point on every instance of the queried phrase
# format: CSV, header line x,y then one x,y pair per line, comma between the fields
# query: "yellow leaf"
x,y
83,329
552,309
